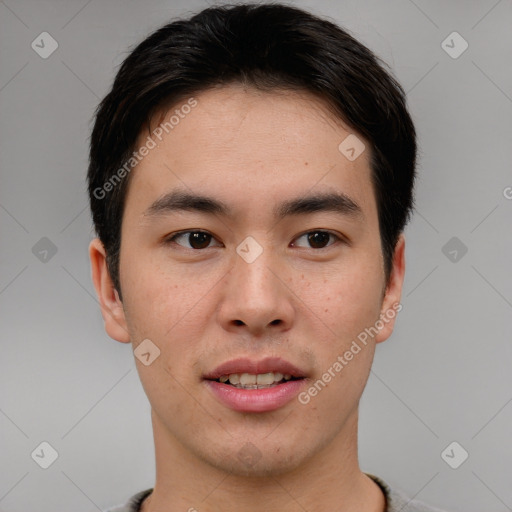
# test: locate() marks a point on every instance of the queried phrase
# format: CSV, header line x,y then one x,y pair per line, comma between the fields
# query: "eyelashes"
x,y
198,240
319,240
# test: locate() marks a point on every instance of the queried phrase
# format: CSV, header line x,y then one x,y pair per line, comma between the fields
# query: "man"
x,y
251,173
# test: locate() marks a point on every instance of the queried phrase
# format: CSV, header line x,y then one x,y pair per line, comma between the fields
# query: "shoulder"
x,y
133,504
398,501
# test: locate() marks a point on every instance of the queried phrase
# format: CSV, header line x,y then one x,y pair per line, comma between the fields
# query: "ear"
x,y
111,305
391,302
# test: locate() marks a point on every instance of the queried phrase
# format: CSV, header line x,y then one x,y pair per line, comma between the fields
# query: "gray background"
x,y
444,376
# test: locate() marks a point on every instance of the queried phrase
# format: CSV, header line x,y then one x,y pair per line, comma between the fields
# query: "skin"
x,y
202,307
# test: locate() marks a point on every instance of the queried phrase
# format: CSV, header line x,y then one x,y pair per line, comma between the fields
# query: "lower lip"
x,y
256,400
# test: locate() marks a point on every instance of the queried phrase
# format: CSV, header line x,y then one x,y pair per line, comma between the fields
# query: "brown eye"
x,y
318,239
199,240
192,239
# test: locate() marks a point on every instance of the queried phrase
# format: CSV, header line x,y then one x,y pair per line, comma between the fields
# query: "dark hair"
x,y
267,46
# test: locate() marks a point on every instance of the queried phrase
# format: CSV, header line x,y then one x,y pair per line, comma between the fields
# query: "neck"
x,y
329,480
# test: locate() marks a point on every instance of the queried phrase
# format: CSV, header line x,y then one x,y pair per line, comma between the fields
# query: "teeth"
x,y
268,378
246,379
252,381
234,378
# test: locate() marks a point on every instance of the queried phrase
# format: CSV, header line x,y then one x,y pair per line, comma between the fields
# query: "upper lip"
x,y
246,365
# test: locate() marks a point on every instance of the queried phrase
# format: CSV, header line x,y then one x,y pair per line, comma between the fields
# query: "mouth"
x,y
246,385
256,381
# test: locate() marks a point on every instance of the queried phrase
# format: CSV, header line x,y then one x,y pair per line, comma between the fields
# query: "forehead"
x,y
237,139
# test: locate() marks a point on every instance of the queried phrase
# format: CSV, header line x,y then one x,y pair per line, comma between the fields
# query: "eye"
x,y
195,239
317,239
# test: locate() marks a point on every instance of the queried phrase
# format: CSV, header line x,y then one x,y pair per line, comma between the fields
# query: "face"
x,y
248,235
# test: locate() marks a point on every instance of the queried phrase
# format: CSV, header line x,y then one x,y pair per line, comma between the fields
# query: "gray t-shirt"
x,y
396,500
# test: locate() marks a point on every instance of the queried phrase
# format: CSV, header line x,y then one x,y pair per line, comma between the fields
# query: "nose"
x,y
256,299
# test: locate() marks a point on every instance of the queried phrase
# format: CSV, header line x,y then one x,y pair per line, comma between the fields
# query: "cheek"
x,y
346,300
159,294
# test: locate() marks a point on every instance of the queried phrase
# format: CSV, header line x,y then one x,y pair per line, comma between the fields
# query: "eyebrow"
x,y
179,200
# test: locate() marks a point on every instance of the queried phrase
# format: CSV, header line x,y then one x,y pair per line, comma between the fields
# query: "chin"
x,y
259,459
266,467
